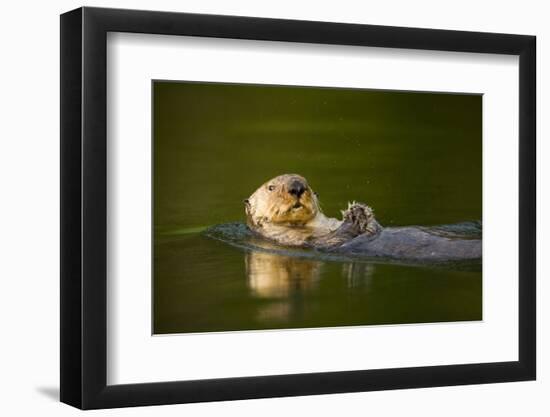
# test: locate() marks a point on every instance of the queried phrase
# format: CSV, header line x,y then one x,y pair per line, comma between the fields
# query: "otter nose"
x,y
296,188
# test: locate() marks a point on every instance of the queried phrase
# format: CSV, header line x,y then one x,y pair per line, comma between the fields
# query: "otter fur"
x,y
286,210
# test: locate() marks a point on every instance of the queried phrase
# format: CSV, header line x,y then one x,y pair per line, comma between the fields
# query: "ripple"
x,y
237,234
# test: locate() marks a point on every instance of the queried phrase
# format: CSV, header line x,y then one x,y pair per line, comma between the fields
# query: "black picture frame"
x,y
84,207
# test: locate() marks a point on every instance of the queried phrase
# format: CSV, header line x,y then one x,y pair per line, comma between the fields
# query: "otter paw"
x,y
360,217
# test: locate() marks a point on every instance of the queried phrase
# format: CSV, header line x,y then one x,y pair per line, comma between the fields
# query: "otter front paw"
x,y
360,218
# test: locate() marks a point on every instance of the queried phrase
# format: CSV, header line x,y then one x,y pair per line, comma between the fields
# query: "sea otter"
x,y
286,210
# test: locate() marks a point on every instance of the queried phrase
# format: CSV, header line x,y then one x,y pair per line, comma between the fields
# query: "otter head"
x,y
285,200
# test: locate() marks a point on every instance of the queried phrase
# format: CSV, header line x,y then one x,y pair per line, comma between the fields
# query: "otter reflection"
x,y
284,282
276,276
358,275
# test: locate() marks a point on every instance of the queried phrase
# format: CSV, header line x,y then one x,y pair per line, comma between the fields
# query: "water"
x,y
414,157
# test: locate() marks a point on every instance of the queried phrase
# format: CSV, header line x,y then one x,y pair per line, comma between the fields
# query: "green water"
x,y
414,157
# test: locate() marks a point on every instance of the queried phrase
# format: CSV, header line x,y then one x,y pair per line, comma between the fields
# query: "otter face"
x,y
284,200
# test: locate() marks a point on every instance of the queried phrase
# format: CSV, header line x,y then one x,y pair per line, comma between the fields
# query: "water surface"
x,y
414,157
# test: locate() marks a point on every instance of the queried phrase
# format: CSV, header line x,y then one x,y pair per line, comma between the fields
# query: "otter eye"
x,y
271,187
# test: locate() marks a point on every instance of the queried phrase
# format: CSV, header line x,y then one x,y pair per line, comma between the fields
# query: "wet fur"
x,y
271,212
274,213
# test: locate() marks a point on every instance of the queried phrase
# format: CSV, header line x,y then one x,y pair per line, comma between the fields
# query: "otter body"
x,y
412,243
287,211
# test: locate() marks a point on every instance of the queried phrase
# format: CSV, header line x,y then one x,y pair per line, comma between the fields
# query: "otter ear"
x,y
246,202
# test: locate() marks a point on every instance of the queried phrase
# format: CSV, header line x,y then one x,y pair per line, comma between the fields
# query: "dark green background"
x,y
416,158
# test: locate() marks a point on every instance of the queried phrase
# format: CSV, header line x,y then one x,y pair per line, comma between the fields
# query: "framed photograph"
x,y
258,208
